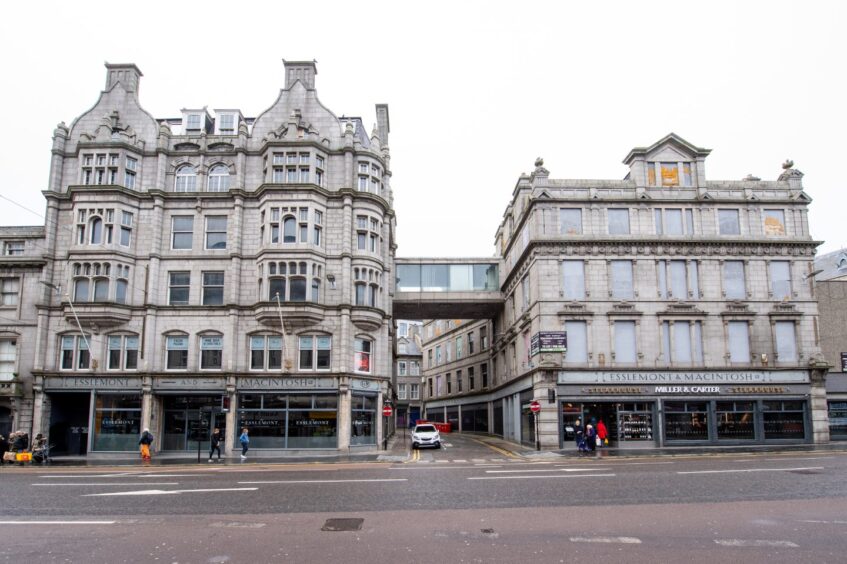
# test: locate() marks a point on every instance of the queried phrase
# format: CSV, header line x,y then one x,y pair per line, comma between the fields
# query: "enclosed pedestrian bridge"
x,y
447,288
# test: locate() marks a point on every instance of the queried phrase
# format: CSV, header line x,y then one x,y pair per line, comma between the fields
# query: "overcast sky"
x,y
476,90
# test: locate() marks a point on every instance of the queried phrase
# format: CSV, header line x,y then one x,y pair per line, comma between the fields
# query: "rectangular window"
x,y
525,297
437,355
570,221
177,353
459,347
471,383
774,223
362,356
216,232
8,357
265,353
182,232
415,392
483,338
13,248
622,288
577,336
458,381
573,279
739,342
618,222
315,353
401,391
670,174
728,222
179,284
682,342
449,379
213,288
786,341
123,352
192,122
211,353
470,343
733,280
780,274
483,371
625,351
401,368
673,222
9,290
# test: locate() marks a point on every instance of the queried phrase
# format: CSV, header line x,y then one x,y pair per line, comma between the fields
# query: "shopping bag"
x,y
9,457
24,457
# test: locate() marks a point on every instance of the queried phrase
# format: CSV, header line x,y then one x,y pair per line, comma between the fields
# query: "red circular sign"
x,y
387,411
535,407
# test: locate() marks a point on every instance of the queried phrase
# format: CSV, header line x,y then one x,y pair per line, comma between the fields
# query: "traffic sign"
x,y
535,407
387,411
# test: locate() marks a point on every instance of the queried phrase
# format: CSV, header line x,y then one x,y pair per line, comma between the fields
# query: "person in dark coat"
x,y
590,438
579,435
215,443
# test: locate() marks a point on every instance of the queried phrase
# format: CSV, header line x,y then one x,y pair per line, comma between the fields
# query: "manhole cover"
x,y
344,524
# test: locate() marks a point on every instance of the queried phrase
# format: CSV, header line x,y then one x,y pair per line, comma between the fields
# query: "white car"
x,y
426,434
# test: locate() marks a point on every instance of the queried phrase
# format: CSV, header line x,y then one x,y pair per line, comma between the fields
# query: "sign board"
x,y
535,407
683,378
548,342
387,411
286,383
92,383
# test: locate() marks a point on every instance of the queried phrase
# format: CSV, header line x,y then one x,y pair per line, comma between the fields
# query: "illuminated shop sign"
x,y
688,378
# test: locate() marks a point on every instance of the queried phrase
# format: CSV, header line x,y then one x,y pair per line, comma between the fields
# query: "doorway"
x,y
69,416
607,412
188,419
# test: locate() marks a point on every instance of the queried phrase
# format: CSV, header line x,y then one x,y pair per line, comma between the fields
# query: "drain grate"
x,y
343,524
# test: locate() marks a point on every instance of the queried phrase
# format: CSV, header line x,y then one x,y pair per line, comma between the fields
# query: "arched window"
x,y
289,230
219,178
96,231
186,179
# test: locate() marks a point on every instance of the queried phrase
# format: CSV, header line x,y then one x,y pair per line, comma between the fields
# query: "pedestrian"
x,y
244,439
590,438
579,435
602,434
145,441
215,444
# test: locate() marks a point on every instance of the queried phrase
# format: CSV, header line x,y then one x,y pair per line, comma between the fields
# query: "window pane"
x,y
733,280
739,342
577,342
673,222
681,343
570,221
679,288
618,222
780,279
625,341
622,279
670,174
573,276
774,222
786,343
298,290
728,222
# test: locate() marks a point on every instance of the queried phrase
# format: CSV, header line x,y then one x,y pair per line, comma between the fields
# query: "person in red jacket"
x,y
602,433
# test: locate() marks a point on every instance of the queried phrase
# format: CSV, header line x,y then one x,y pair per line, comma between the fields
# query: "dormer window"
x,y
226,124
667,174
192,123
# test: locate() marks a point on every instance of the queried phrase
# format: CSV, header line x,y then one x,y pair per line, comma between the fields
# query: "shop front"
x,y
647,410
93,414
190,408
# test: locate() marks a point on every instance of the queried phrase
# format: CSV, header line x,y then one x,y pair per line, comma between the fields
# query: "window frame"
x,y
220,245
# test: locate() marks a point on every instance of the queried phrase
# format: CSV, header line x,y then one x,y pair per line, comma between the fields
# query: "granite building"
x,y
213,270
831,292
407,375
687,305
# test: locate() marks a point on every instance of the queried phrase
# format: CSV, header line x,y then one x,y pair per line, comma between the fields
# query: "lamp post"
x,y
282,331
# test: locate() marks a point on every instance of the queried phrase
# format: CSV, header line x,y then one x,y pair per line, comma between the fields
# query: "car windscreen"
x,y
424,429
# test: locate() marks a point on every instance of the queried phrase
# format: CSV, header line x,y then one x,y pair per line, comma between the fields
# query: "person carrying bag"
x,y
145,441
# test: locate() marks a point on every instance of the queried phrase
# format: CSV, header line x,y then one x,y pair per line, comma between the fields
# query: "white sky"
x,y
476,90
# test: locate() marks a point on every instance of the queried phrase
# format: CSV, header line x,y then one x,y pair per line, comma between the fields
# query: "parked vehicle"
x,y
426,434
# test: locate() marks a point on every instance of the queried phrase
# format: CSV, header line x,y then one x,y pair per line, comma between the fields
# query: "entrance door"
x,y
69,414
606,412
189,418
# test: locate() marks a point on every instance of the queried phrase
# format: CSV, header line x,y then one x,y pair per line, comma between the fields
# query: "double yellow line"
x,y
416,455
498,450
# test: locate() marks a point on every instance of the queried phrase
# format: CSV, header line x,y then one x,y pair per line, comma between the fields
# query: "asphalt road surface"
x,y
462,503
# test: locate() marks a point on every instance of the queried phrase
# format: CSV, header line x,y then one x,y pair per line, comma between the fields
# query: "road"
x,y
463,503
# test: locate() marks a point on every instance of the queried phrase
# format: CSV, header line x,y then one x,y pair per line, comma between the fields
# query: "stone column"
x,y
817,402
548,417
38,407
344,413
232,432
147,412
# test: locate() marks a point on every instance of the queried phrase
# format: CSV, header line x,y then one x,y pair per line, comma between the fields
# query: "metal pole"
x,y
537,438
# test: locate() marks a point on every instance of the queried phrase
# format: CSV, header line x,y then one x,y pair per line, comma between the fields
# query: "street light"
x,y
58,289
282,330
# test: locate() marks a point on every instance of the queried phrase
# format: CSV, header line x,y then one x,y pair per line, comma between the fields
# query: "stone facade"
x,y
407,373
215,270
831,292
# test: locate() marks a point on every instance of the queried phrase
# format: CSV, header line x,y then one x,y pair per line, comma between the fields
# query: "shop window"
x,y
362,355
315,352
123,352
177,352
735,420
686,421
784,419
211,353
74,353
618,221
265,352
734,286
622,283
570,221
363,423
117,422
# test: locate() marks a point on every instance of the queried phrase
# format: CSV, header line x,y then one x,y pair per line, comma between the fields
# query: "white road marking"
x,y
326,481
122,475
57,522
425,467
803,458
615,463
608,540
540,477
750,470
755,543
544,470
823,522
172,492
88,484
460,461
